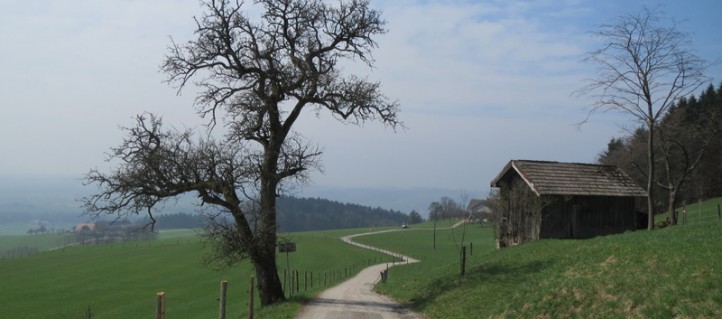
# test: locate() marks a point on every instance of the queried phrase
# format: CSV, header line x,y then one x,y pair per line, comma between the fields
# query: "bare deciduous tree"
x,y
644,68
415,217
458,233
435,211
259,74
682,148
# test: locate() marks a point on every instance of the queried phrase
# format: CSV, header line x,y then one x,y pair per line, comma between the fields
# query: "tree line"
x,y
306,214
445,208
687,150
302,214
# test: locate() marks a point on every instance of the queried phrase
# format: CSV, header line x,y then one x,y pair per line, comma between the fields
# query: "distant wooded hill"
x,y
303,214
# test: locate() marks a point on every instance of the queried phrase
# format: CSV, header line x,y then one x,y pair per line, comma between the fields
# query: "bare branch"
x,y
645,67
256,75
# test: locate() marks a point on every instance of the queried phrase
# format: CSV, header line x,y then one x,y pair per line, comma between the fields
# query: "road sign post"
x,y
287,247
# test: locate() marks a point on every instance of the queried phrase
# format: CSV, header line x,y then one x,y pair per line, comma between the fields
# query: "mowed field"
x,y
121,280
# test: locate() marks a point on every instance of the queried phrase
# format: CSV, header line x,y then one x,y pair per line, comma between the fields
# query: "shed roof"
x,y
555,178
474,204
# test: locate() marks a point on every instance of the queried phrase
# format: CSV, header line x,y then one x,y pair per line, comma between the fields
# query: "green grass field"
x,y
666,273
121,280
41,242
671,272
12,246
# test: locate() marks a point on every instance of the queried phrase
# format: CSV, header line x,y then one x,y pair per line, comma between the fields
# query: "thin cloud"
x,y
479,82
473,55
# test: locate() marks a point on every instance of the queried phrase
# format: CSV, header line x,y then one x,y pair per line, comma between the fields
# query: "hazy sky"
x,y
479,82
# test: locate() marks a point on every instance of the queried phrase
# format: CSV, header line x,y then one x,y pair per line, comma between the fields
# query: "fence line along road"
x,y
355,297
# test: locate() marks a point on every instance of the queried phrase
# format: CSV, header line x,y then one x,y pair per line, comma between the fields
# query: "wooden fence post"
x,y
471,248
305,280
289,287
297,281
160,305
250,299
463,260
222,306
684,214
719,215
434,234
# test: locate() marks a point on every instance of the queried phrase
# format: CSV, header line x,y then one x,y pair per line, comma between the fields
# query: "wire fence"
x,y
701,214
294,282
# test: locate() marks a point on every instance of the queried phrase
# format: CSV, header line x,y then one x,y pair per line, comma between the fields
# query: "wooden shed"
x,y
564,200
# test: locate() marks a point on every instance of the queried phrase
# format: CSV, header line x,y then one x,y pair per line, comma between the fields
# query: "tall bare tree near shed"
x,y
645,66
685,137
256,74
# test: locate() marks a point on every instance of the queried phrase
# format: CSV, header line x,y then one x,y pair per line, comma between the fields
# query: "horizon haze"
x,y
479,84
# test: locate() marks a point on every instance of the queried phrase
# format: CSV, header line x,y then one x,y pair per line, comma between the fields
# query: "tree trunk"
x,y
650,177
270,289
264,260
672,205
269,284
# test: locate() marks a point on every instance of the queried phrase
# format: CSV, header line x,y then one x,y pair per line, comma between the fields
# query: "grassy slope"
x,y
666,273
121,280
697,213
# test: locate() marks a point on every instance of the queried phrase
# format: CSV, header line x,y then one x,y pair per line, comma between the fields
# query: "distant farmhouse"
x,y
564,200
478,210
104,231
86,227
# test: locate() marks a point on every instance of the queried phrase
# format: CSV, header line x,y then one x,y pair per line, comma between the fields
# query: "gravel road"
x,y
355,298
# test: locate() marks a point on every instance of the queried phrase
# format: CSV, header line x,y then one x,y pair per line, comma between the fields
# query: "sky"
x,y
479,83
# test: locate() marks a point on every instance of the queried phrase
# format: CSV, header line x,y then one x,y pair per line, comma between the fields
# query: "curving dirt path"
x,y
355,298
